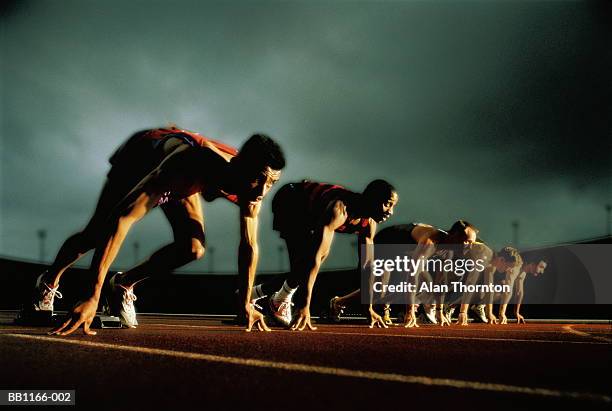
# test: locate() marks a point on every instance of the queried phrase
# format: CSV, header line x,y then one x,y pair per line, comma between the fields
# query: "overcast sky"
x,y
487,111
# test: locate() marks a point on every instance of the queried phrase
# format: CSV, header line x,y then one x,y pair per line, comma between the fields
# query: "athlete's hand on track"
x,y
255,318
520,319
492,319
82,314
377,320
503,319
303,321
462,319
442,319
410,319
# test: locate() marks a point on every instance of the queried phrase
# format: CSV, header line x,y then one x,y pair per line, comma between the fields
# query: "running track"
x,y
184,362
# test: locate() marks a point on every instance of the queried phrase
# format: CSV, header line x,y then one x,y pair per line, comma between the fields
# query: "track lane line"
x,y
444,337
363,327
337,372
320,331
571,330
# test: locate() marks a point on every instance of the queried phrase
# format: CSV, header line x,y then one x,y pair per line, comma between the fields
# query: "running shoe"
x,y
121,302
387,315
448,313
281,310
429,316
479,312
44,296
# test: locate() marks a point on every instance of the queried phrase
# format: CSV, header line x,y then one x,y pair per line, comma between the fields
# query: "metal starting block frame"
x,y
50,319
106,321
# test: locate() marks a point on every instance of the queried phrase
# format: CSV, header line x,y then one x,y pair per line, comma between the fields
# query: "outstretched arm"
x,y
519,294
248,256
424,249
488,279
511,279
132,208
367,238
334,217
477,252
441,277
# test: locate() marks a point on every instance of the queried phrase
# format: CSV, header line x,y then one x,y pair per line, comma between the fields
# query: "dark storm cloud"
x,y
487,111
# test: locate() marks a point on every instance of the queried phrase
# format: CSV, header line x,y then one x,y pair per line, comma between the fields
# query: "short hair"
x,y
261,151
459,227
480,251
511,255
531,257
379,190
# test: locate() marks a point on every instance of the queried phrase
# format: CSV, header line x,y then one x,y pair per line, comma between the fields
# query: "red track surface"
x,y
195,363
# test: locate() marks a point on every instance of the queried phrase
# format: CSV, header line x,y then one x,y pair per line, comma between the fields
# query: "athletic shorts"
x,y
140,155
290,217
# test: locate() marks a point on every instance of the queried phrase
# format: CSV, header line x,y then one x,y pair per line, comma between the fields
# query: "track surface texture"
x,y
186,362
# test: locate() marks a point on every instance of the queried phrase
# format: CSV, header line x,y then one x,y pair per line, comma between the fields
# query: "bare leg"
x,y
73,248
187,221
295,248
106,254
124,177
80,243
350,298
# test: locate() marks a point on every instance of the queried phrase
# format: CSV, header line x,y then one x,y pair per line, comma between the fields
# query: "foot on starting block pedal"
x,y
36,318
106,321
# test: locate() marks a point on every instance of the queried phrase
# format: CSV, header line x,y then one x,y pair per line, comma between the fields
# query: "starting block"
x,y
106,321
37,318
49,319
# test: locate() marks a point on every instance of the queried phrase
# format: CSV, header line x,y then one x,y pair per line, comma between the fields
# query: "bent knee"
x,y
196,250
86,239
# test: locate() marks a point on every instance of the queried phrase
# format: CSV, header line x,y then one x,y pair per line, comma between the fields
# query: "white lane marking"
x,y
22,329
337,372
473,328
209,327
571,330
444,337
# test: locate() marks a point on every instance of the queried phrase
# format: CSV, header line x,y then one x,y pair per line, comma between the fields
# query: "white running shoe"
x,y
121,303
448,312
44,295
430,316
479,312
281,310
253,299
387,315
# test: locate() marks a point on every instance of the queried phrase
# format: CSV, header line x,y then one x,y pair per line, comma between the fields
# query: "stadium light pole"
x,y
136,247
280,258
608,220
42,235
354,249
211,259
515,233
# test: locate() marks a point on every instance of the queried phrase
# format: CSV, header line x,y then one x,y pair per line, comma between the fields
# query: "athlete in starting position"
x,y
424,241
170,168
516,279
507,260
307,214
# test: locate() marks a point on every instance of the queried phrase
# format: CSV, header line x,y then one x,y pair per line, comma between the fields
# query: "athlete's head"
x,y
379,199
259,163
534,266
507,259
462,232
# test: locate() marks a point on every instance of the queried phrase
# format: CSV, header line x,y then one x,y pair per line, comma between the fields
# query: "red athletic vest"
x,y
193,139
320,195
160,133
